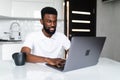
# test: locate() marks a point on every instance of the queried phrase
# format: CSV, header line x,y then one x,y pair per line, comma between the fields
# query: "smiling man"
x,y
46,44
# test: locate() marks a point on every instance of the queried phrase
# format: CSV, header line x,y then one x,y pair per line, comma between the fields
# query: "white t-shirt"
x,y
47,47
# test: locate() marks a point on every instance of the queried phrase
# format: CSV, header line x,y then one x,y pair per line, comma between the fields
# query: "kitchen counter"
x,y
2,42
11,41
106,69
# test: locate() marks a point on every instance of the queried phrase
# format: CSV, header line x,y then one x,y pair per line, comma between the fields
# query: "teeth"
x,y
51,28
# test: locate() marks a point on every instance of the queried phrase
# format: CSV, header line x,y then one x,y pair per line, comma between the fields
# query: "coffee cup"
x,y
19,58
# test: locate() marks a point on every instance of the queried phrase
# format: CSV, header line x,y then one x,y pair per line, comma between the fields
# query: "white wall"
x,y
116,29
108,21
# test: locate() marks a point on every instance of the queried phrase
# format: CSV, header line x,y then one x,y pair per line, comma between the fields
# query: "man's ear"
x,y
41,21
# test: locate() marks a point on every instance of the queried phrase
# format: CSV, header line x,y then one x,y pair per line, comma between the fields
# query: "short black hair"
x,y
48,10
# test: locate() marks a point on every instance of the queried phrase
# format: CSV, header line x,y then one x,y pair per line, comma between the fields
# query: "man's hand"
x,y
55,61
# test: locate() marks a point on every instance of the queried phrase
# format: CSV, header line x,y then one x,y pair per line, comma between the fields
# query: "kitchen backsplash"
x,y
26,26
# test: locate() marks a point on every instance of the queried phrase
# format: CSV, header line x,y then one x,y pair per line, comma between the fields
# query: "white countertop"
x,y
3,42
106,69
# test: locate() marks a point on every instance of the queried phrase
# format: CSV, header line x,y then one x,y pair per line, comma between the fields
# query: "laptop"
x,y
84,52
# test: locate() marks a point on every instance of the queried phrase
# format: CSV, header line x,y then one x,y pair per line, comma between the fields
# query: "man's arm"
x,y
31,57
34,59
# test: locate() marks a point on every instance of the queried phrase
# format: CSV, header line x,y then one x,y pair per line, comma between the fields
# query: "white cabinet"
x,y
0,52
5,7
29,8
8,49
32,8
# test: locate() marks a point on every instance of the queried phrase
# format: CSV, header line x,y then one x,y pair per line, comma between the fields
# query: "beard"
x,y
47,30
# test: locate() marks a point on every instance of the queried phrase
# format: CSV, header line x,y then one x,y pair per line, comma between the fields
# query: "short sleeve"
x,y
66,43
28,41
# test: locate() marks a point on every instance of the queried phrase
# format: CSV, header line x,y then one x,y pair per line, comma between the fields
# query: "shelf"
x,y
16,18
21,18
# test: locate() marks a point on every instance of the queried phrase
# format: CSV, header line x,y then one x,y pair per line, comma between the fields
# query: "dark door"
x,y
80,18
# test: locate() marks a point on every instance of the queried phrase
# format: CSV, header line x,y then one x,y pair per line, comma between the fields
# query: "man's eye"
x,y
48,21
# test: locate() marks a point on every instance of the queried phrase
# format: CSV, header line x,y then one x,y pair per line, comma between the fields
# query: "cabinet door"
x,y
29,9
80,17
9,49
32,8
5,7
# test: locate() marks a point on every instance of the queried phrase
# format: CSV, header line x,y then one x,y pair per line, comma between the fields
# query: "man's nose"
x,y
53,24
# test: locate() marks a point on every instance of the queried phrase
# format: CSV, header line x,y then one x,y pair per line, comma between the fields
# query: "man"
x,y
45,45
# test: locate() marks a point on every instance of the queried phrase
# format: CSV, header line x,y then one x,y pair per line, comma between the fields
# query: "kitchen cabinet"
x,y
0,52
31,8
28,9
5,7
7,49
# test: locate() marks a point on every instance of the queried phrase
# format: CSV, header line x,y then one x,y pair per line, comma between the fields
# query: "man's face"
x,y
49,23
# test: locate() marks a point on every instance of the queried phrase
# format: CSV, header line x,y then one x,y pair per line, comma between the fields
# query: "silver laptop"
x,y
84,52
